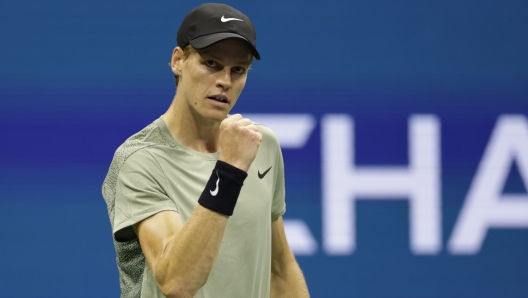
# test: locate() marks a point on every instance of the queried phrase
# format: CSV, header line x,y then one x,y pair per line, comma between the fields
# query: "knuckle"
x,y
255,135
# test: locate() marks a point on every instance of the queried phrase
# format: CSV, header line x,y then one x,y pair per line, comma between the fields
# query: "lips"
x,y
219,98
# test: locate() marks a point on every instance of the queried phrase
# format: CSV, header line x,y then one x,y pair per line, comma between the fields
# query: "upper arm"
x,y
140,194
287,279
280,250
155,233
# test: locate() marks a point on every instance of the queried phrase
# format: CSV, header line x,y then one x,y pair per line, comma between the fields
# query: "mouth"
x,y
219,98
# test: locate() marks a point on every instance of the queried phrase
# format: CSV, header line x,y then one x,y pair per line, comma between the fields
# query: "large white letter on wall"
x,y
485,206
344,183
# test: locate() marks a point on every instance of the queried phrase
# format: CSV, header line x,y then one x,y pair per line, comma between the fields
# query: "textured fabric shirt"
x,y
151,172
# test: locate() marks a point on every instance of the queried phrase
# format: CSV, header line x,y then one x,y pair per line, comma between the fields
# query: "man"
x,y
196,198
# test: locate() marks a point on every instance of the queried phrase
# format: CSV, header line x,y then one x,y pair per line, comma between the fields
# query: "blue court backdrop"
x,y
404,127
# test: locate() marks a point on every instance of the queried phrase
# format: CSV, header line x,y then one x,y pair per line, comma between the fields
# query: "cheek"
x,y
195,81
241,83
201,78
238,87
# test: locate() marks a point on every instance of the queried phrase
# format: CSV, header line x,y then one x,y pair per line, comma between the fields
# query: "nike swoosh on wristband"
x,y
229,19
215,192
263,174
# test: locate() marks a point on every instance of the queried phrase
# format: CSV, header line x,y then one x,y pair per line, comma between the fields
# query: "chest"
x,y
187,176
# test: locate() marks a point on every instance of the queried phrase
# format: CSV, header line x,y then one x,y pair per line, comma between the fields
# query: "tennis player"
x,y
196,198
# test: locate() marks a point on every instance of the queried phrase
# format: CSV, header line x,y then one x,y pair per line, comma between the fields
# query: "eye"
x,y
210,63
238,69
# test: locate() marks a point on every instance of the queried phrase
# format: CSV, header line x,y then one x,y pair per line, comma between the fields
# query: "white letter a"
x,y
485,206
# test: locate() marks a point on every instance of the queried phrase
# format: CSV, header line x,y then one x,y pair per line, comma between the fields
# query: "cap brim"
x,y
208,40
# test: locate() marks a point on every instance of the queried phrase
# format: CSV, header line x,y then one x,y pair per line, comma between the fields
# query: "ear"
x,y
176,61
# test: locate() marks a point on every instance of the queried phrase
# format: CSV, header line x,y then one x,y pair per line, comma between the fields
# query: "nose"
x,y
224,79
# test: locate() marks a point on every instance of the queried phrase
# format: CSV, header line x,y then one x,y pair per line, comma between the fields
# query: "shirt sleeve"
x,y
140,193
278,207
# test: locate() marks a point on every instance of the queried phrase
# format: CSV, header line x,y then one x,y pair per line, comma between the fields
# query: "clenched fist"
x,y
239,141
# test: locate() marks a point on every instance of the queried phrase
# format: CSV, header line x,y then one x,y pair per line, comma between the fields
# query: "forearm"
x,y
288,281
187,260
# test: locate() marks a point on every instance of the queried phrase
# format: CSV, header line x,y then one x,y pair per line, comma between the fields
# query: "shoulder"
x,y
147,138
268,136
134,151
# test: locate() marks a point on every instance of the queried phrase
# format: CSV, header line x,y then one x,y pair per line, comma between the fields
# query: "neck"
x,y
190,129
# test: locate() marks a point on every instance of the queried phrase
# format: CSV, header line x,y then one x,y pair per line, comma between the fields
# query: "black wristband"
x,y
222,190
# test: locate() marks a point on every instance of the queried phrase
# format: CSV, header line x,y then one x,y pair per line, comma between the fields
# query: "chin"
x,y
216,115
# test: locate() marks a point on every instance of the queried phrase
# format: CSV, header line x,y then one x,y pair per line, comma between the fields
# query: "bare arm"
x,y
181,257
181,267
287,279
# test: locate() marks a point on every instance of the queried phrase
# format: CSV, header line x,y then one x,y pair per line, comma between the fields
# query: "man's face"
x,y
212,79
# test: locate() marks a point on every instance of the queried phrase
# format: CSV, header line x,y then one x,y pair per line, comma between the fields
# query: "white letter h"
x,y
344,182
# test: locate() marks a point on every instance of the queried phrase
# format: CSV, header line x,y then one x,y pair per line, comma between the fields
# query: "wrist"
x,y
235,163
222,190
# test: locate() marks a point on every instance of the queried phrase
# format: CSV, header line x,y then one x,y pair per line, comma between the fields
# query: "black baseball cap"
x,y
210,23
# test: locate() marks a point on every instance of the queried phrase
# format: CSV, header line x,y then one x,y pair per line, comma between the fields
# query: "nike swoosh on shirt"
x,y
215,192
263,174
223,19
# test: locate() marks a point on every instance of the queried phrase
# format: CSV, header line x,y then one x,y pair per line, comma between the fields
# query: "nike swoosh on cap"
x,y
223,19
215,192
263,174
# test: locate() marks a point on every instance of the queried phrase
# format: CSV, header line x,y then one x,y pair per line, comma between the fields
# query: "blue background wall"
x,y
78,77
